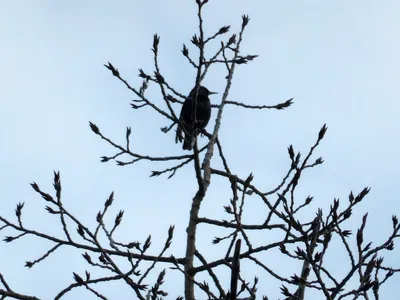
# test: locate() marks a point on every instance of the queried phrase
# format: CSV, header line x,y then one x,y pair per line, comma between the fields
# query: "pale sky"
x,y
339,60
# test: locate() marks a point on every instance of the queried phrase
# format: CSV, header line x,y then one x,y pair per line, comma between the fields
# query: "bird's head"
x,y
203,92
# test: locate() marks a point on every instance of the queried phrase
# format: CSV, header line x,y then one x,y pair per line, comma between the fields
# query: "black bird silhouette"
x,y
203,114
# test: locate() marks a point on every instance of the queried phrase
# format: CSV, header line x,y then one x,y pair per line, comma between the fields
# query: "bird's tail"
x,y
178,136
188,142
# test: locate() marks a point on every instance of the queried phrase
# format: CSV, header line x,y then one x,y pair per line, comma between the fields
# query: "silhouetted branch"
x,y
212,275
235,270
279,106
8,292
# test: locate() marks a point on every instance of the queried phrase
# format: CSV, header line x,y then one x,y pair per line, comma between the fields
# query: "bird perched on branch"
x,y
186,123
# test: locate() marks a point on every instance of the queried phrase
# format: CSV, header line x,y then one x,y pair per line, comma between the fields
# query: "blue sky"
x,y
338,59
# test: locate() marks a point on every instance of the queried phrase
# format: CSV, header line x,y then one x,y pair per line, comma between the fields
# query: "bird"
x,y
203,114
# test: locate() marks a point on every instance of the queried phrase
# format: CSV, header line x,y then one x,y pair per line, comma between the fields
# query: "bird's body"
x,y
186,126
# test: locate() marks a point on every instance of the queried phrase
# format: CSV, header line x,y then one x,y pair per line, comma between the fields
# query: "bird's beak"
x,y
212,93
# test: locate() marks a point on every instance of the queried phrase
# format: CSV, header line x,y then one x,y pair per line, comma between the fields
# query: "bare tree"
x,y
299,239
